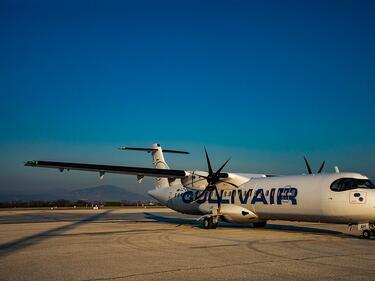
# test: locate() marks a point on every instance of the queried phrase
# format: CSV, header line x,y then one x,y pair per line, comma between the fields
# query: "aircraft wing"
x,y
163,173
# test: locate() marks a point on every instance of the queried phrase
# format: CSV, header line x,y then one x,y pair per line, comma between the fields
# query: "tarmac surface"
x,y
159,244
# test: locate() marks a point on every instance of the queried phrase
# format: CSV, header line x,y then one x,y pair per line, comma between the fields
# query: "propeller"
x,y
309,168
212,179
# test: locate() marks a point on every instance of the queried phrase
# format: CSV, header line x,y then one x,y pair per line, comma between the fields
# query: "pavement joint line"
x,y
219,266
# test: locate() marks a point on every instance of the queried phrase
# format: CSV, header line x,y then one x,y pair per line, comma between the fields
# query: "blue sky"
x,y
264,82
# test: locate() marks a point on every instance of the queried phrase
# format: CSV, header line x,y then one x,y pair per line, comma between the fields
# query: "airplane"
x,y
342,198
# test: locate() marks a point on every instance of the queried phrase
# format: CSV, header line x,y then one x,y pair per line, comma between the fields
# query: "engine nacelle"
x,y
194,181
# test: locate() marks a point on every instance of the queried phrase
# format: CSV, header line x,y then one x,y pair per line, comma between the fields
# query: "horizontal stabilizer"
x,y
175,151
138,149
153,149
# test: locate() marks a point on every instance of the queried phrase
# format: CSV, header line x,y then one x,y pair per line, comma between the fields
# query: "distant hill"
x,y
97,193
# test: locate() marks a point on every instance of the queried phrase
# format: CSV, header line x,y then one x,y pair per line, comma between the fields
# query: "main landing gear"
x,y
368,230
367,234
210,222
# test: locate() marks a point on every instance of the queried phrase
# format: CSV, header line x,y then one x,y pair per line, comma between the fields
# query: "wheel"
x,y
366,234
208,223
260,224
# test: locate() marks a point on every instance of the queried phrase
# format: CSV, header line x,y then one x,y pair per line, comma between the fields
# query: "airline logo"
x,y
273,196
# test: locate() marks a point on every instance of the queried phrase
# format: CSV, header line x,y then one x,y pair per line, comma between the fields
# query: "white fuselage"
x,y
295,198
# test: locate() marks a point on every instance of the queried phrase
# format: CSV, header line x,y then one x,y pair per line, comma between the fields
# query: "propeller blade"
x,y
212,179
218,171
321,167
307,166
218,198
201,178
208,163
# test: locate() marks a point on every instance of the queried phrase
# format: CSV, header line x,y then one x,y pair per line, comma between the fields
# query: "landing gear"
x,y
209,223
260,224
368,230
367,233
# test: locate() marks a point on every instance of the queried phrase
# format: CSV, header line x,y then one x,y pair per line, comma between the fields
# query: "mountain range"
x,y
98,193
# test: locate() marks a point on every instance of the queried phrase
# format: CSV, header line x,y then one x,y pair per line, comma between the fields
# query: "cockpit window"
x,y
349,183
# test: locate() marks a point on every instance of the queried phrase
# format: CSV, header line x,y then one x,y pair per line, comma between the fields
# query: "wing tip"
x,y
31,163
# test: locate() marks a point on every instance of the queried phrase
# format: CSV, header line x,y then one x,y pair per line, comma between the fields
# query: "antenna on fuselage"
x,y
337,170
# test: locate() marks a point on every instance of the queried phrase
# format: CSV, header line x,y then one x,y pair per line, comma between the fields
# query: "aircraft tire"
x,y
366,234
208,223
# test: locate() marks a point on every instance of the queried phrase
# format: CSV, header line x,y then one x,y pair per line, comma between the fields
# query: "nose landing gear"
x,y
208,223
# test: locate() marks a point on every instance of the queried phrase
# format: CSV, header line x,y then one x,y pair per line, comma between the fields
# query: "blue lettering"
x,y
272,196
201,200
292,195
259,197
210,199
280,196
223,200
287,194
187,197
232,196
244,199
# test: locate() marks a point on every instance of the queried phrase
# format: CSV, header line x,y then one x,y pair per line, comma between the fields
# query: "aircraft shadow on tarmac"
x,y
172,220
19,244
270,226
